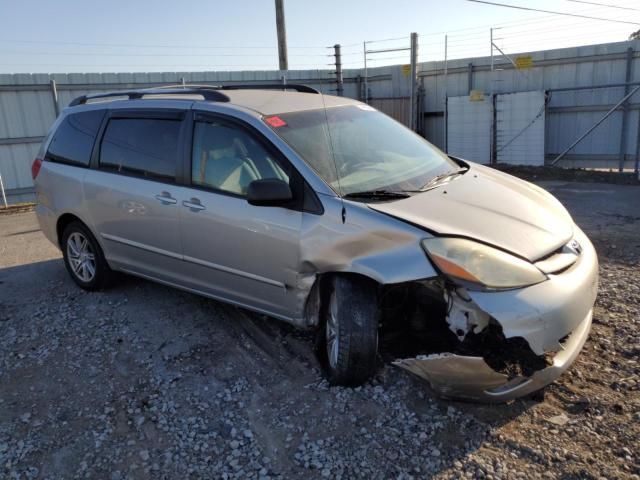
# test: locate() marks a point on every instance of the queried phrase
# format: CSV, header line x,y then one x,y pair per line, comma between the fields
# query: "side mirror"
x,y
269,192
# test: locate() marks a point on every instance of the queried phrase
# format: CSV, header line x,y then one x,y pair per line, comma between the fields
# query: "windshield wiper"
x,y
443,176
378,194
398,194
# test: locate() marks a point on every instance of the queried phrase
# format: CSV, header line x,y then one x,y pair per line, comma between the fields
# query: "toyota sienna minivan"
x,y
327,214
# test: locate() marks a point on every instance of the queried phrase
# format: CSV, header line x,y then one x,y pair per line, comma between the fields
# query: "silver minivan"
x,y
325,213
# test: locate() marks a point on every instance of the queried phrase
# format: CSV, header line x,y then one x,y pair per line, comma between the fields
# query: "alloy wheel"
x,y
332,338
81,257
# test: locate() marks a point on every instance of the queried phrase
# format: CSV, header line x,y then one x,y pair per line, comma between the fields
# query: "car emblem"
x,y
575,246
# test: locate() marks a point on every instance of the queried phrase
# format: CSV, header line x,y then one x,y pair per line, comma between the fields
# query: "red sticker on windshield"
x,y
275,121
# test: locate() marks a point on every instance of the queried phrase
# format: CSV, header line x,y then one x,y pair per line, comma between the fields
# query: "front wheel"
x,y
350,322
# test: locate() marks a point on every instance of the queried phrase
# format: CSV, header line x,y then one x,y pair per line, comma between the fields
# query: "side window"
x,y
228,158
142,146
73,140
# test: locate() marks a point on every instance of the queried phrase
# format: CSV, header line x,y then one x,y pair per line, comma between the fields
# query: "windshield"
x,y
372,151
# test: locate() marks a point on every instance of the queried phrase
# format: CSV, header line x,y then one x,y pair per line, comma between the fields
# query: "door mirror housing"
x,y
269,192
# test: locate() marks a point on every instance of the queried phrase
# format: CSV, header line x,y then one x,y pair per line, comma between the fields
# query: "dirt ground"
x,y
142,381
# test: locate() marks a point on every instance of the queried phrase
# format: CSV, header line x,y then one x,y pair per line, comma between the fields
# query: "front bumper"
x,y
543,314
471,378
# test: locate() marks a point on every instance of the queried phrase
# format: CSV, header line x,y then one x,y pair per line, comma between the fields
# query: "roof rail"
x,y
271,86
249,86
210,93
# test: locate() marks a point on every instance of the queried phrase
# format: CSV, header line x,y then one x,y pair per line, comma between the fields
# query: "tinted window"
x,y
73,140
142,146
228,158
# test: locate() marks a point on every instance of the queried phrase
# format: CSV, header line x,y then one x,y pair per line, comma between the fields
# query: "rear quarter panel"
x,y
59,190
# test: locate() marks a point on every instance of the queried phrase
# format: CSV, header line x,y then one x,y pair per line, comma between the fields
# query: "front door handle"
x,y
194,205
166,198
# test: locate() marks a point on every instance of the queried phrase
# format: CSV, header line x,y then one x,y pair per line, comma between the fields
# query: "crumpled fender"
x,y
369,243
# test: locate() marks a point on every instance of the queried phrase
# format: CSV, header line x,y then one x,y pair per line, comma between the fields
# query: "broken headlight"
x,y
479,266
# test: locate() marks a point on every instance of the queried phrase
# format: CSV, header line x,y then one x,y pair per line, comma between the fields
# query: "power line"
x,y
373,59
99,65
566,14
604,5
387,39
508,24
134,45
103,54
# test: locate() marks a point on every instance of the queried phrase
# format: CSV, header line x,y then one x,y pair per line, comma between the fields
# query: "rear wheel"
x,y
350,328
83,258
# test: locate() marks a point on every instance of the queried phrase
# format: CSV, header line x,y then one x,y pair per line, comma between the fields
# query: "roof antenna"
x,y
333,157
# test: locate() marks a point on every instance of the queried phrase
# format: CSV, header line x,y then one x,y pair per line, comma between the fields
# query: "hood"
x,y
492,207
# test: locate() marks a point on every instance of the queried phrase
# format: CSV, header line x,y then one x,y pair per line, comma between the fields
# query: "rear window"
x,y
142,146
73,140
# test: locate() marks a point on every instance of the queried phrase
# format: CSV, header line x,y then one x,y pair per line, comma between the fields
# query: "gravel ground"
x,y
143,381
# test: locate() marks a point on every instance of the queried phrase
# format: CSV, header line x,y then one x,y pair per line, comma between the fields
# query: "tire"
x,y
349,333
83,258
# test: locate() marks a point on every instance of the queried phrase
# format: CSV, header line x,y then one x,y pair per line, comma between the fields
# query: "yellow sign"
x,y
406,70
524,62
476,96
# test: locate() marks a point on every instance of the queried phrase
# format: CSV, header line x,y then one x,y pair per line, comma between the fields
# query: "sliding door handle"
x,y
194,205
166,199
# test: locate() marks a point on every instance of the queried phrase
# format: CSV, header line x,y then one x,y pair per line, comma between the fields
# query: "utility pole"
x,y
493,103
366,73
446,93
282,36
414,81
54,96
339,77
4,197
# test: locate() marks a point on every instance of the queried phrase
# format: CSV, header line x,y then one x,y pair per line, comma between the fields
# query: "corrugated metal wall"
x,y
569,113
398,108
27,108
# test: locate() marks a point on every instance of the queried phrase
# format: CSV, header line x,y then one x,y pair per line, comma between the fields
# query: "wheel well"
x,y
62,223
324,280
319,293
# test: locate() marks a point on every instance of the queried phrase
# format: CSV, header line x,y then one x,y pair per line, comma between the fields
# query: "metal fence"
x,y
581,85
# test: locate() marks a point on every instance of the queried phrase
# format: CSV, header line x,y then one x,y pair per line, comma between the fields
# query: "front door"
x,y
233,250
132,195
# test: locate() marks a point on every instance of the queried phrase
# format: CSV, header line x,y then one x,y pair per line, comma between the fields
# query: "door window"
x,y
147,147
227,158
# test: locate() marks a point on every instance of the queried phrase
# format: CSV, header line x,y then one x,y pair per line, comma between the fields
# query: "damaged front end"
x,y
462,351
437,333
440,333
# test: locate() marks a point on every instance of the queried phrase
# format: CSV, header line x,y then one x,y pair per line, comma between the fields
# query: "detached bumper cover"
x,y
543,314
471,378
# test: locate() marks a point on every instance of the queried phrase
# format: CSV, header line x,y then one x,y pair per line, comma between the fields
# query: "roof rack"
x,y
244,86
271,86
208,92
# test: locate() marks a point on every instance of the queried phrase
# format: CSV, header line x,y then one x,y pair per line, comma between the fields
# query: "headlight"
x,y
476,265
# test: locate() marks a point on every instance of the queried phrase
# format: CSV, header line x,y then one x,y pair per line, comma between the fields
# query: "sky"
x,y
61,36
